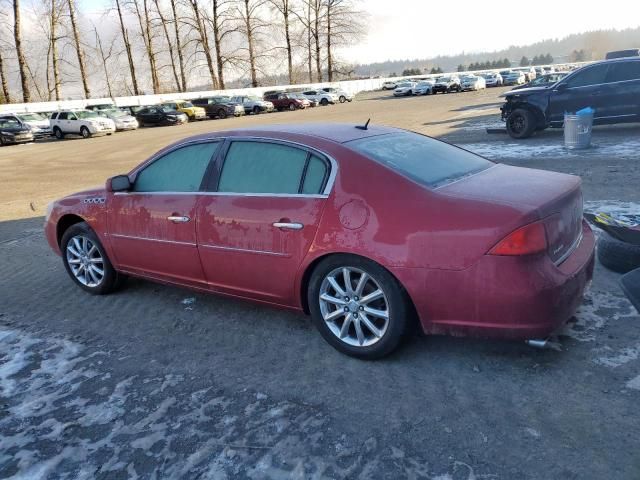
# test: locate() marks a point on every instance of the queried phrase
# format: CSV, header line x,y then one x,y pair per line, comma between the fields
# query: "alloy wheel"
x,y
85,261
354,306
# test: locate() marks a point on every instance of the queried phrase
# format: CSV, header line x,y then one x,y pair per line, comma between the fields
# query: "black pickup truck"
x,y
610,87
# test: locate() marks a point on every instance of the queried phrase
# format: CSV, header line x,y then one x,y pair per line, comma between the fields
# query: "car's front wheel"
x,y
342,99
86,261
84,131
256,110
222,113
324,102
358,306
58,133
521,123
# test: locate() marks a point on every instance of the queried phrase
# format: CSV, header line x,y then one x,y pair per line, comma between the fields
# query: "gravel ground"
x,y
159,382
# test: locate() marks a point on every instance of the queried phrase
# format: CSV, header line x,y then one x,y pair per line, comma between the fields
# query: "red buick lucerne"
x,y
366,229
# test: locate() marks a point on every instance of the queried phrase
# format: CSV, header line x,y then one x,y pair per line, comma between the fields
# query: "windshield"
x,y
30,117
443,79
404,85
9,123
116,113
84,114
255,99
506,72
166,108
427,161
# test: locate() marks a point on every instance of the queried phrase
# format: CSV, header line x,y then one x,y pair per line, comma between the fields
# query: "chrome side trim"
x,y
571,249
220,194
244,250
174,242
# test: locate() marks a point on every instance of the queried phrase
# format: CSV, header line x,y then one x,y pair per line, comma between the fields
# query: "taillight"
x,y
524,241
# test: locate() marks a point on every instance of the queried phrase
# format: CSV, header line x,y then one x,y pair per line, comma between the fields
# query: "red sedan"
x,y
366,229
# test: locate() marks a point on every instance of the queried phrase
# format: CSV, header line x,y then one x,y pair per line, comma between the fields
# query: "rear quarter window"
x,y
427,161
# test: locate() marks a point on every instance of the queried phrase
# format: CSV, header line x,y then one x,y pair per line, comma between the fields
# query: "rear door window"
x,y
271,168
623,71
180,170
589,76
427,161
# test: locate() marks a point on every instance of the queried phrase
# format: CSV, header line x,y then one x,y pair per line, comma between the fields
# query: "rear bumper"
x,y
502,297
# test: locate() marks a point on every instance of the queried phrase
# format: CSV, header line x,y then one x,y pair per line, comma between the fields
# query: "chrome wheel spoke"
x,y
77,245
336,301
371,327
346,276
74,261
345,326
97,270
375,295
359,332
330,317
337,288
361,283
376,313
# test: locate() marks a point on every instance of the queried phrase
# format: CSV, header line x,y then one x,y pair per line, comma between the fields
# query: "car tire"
x,y
342,99
324,102
616,255
292,106
521,123
256,110
80,248
58,133
222,113
84,131
358,339
1,142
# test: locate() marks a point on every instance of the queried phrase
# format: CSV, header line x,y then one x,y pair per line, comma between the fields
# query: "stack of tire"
x,y
617,255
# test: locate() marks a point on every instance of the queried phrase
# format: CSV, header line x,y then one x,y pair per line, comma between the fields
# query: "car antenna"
x,y
364,127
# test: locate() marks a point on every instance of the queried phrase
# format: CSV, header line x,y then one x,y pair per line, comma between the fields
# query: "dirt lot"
x,y
159,382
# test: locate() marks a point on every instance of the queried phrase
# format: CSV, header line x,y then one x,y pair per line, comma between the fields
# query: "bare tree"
x,y
176,27
252,24
54,20
79,50
221,23
22,63
5,85
284,8
344,25
203,40
127,46
104,58
146,33
165,29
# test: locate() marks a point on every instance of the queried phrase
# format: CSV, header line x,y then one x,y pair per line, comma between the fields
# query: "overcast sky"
x,y
406,29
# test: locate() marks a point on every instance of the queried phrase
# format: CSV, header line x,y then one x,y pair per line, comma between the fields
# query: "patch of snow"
x,y
634,383
526,150
627,355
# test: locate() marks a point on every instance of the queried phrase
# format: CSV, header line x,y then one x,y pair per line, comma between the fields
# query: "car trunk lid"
x,y
554,198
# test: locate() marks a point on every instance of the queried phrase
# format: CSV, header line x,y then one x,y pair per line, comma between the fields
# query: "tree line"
x,y
545,59
133,47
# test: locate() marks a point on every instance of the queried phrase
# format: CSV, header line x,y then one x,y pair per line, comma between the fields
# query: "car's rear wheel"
x,y
358,306
86,261
222,113
256,110
58,133
342,99
292,106
84,131
521,123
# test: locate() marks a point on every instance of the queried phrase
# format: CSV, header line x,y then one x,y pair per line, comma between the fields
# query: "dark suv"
x,y
220,107
610,87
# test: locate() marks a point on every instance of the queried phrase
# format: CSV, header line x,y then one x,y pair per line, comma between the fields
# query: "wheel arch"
x,y
309,269
65,222
536,111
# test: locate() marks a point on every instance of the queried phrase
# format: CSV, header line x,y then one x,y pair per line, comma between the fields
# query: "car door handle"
x,y
178,219
288,225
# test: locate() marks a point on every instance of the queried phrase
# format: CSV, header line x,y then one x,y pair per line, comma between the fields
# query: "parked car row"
x,y
106,119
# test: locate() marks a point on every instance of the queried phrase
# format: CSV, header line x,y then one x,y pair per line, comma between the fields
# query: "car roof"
x,y
333,132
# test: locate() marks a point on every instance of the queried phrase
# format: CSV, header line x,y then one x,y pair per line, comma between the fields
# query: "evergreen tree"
x,y
524,62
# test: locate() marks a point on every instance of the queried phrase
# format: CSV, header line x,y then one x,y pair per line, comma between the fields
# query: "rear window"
x,y
429,162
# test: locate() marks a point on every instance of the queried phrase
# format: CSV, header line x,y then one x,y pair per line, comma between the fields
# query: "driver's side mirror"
x,y
119,183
